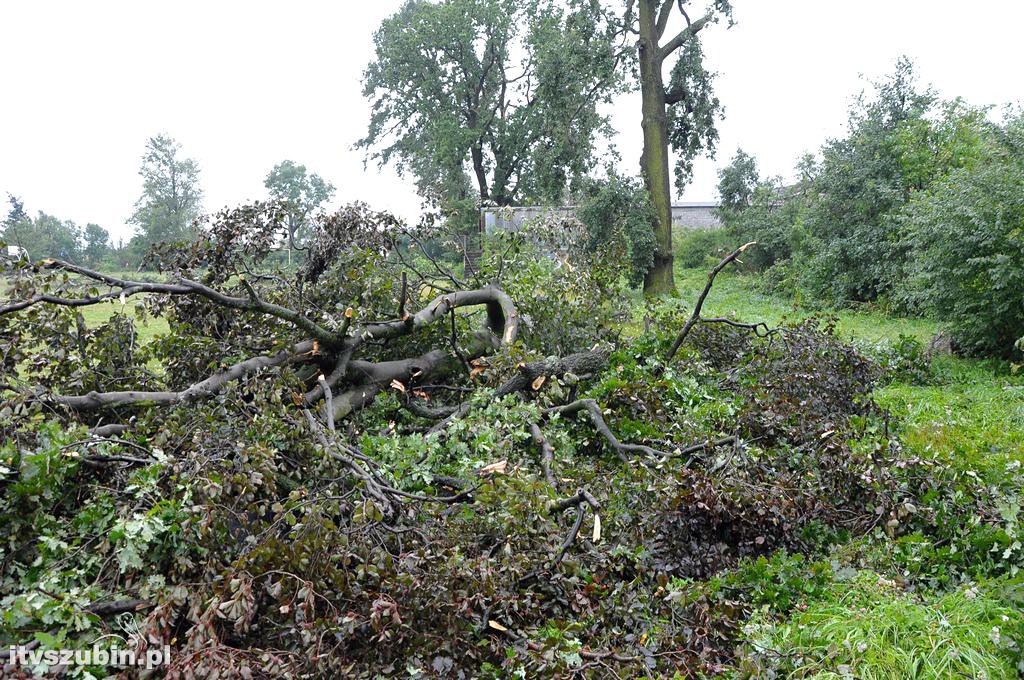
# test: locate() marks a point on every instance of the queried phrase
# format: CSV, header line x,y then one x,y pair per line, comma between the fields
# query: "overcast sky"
x,y
244,85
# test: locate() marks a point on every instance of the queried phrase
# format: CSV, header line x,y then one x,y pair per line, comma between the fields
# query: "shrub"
x,y
696,247
967,234
774,219
902,360
618,214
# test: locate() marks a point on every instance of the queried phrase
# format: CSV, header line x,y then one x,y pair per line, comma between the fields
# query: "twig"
x,y
570,538
695,316
547,454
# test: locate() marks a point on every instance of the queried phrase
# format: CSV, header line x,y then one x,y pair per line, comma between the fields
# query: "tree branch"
x,y
663,15
592,409
129,288
683,36
198,391
695,316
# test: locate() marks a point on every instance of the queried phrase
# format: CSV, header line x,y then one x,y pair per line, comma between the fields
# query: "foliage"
x,y
171,197
569,294
497,94
903,360
701,248
775,219
967,233
870,629
852,251
45,236
618,215
302,194
692,119
223,512
737,181
96,248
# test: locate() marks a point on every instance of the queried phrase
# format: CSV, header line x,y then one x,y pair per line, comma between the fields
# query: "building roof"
x,y
697,204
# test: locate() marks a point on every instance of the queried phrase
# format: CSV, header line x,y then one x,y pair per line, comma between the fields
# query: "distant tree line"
x,y
169,210
919,208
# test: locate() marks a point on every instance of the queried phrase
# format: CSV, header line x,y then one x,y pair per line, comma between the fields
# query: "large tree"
x,y
171,199
679,113
302,193
499,94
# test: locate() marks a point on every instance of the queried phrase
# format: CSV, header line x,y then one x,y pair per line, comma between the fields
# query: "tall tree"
x,y
680,113
302,193
171,198
500,94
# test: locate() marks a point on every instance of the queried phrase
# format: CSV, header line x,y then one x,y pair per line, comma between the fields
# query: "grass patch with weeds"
x,y
868,628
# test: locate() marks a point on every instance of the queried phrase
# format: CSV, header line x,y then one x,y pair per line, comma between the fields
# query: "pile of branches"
x,y
253,517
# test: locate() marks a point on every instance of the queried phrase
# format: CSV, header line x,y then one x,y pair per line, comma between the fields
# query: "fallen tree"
x,y
389,466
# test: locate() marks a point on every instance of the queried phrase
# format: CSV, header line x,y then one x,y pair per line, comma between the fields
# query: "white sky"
x,y
244,85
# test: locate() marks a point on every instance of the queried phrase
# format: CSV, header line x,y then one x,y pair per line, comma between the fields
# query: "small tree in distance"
x,y
302,193
738,181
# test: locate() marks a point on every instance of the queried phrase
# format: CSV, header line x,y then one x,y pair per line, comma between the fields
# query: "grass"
x,y
147,328
974,421
871,630
736,295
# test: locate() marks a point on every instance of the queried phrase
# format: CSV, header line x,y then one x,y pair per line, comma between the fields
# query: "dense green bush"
x,y
619,215
775,219
917,208
967,236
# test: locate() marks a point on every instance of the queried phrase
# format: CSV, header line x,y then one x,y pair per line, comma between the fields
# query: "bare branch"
x,y
198,391
501,311
129,288
592,409
695,316
663,15
547,454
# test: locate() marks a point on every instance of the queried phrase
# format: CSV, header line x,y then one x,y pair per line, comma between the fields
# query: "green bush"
x,y
618,214
775,219
696,247
967,234
902,360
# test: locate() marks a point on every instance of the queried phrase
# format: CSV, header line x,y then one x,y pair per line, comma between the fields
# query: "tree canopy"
x,y
495,98
171,197
738,181
301,192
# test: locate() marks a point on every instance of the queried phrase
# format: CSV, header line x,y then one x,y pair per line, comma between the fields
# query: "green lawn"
x,y
736,295
147,328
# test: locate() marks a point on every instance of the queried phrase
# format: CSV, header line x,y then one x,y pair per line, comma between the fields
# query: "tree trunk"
x,y
654,161
477,156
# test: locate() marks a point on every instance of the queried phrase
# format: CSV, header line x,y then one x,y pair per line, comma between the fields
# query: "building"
x,y
694,215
